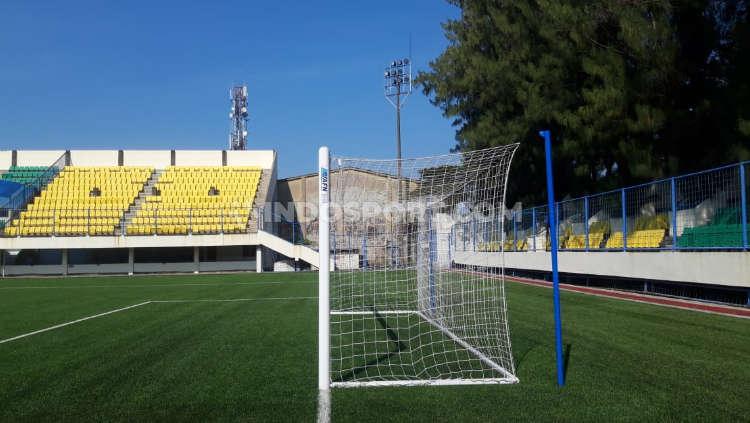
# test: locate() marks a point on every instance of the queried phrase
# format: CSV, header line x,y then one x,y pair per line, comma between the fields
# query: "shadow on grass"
x,y
392,336
522,356
566,361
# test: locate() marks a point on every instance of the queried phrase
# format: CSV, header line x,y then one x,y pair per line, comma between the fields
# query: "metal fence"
x,y
705,210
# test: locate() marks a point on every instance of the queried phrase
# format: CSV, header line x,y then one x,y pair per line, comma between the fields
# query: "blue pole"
x,y
515,233
450,246
624,222
743,196
674,213
586,219
533,225
431,258
364,252
474,233
463,235
553,245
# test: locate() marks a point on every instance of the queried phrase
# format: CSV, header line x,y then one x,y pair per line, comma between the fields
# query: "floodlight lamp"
x,y
406,61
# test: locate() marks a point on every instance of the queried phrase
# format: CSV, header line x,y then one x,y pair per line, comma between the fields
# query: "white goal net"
x,y
414,294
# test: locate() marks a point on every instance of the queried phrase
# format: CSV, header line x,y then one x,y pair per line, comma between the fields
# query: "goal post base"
x,y
426,382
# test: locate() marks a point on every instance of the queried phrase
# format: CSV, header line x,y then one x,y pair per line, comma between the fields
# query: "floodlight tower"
x,y
398,85
238,116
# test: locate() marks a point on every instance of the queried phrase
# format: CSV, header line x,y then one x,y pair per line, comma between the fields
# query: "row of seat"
x,y
218,220
181,229
640,239
190,200
188,212
48,230
58,213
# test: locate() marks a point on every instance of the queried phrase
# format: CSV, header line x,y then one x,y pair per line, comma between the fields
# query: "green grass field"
x,y
256,360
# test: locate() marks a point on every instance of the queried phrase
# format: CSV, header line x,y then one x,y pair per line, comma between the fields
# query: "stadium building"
x,y
188,211
128,211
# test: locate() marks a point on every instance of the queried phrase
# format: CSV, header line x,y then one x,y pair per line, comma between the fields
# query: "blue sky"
x,y
156,75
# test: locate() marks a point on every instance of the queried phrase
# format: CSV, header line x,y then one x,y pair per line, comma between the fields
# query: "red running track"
x,y
643,298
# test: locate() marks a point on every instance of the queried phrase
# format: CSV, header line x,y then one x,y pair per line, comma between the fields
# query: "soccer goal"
x,y
410,292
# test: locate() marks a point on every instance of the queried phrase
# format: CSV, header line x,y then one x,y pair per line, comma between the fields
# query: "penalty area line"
x,y
216,300
231,300
72,322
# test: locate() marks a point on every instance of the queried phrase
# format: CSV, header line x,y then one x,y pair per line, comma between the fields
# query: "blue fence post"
x,y
624,222
364,252
450,246
557,223
674,213
431,259
586,219
515,232
743,197
474,233
533,226
553,245
463,235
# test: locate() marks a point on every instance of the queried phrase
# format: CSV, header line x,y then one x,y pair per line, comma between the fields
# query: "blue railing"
x,y
705,210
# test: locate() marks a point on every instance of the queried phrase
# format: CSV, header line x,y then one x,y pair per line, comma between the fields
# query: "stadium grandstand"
x,y
77,212
125,211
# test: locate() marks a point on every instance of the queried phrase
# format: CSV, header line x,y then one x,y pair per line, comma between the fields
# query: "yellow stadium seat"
x,y
187,202
84,200
615,241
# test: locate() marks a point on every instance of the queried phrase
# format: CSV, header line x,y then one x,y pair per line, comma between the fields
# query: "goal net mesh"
x,y
416,290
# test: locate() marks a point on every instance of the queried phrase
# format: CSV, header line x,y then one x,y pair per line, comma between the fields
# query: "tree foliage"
x,y
632,89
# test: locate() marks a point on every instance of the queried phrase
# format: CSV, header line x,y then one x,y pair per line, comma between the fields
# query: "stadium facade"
x,y
151,211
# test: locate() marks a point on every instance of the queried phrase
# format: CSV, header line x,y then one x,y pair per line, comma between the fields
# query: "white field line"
x,y
218,300
231,300
156,285
371,313
72,322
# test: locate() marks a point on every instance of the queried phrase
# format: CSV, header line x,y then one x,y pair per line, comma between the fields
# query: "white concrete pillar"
x,y
131,261
259,259
65,262
196,259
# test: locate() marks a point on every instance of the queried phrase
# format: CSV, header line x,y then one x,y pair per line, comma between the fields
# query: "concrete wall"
x,y
710,268
38,157
98,269
265,159
158,159
41,269
72,242
6,159
93,157
226,266
198,158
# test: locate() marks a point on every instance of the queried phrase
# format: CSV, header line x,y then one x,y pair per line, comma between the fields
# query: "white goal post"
x,y
406,293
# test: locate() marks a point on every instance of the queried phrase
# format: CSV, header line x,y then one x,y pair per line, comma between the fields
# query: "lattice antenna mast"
x,y
397,89
238,116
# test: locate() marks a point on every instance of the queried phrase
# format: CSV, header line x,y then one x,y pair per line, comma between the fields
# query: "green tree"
x,y
632,89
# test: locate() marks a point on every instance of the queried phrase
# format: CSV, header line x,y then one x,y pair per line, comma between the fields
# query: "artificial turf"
x,y
256,360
